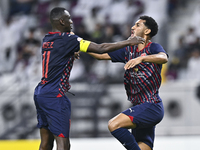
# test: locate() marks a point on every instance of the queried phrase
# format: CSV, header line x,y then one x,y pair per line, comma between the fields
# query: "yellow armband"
x,y
84,45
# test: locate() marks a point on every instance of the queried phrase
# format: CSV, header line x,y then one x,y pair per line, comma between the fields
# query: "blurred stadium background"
x,y
98,85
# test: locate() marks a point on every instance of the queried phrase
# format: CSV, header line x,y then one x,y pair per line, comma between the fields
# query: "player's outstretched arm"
x,y
109,47
159,58
103,56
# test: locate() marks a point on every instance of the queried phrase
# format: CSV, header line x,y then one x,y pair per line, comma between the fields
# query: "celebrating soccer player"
x,y
58,53
142,80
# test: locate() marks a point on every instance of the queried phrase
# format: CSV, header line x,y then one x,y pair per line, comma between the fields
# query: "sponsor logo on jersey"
x,y
131,110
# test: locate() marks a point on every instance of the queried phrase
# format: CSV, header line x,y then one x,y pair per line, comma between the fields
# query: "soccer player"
x,y
142,80
58,53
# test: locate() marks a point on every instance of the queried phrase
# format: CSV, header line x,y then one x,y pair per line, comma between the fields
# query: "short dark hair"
x,y
56,13
150,24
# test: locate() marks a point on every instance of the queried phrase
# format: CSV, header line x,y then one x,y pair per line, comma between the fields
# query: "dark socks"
x,y
126,138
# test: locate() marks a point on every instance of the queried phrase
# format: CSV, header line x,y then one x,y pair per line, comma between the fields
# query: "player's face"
x,y
67,21
138,29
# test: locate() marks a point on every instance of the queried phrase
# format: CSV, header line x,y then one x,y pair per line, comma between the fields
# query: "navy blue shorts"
x,y
54,113
145,116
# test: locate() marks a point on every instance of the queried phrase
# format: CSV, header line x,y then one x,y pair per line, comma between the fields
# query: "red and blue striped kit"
x,y
143,81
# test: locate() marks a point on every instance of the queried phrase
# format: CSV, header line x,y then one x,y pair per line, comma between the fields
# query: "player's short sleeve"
x,y
118,55
71,42
156,48
75,43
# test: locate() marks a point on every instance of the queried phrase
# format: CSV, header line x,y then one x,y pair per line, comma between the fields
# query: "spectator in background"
x,y
82,32
190,36
188,43
196,43
30,47
59,3
41,12
173,5
181,52
21,6
97,34
27,65
4,10
91,12
193,70
134,9
120,12
11,29
92,19
85,59
195,19
178,60
108,33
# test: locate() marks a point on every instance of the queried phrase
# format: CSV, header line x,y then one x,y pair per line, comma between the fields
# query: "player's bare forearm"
x,y
159,58
104,56
109,47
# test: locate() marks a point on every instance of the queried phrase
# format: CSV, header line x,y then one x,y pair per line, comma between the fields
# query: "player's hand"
x,y
77,55
132,63
134,40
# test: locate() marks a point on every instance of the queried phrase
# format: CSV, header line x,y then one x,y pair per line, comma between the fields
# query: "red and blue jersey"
x,y
142,82
57,61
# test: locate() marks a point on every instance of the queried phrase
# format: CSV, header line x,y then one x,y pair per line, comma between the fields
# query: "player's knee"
x,y
113,125
63,143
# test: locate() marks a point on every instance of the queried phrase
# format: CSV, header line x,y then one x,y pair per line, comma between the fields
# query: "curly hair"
x,y
150,24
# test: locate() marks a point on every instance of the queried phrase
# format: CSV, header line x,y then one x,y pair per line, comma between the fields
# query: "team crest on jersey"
x,y
143,54
136,69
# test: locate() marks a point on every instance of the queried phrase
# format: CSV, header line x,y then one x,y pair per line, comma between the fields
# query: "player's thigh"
x,y
144,146
58,115
146,114
120,121
62,143
47,138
